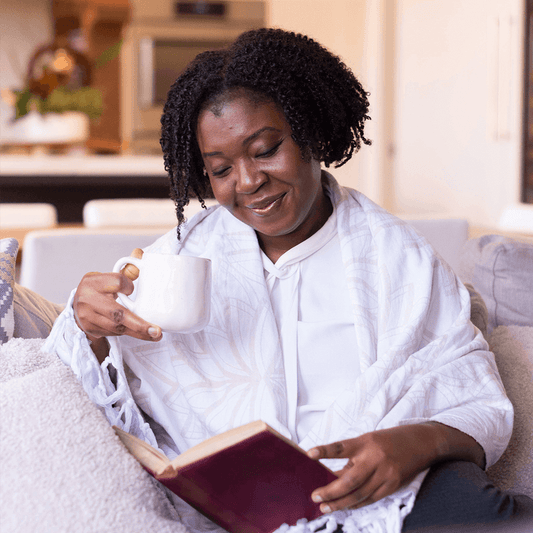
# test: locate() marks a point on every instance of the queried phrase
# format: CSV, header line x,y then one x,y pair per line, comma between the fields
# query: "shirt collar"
x,y
304,249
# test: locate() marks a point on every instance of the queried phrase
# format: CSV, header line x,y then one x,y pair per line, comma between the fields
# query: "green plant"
x,y
45,96
87,100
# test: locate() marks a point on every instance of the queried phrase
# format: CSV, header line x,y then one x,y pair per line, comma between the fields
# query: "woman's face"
x,y
257,172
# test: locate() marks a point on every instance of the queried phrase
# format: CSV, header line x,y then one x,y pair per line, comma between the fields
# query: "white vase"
x,y
51,128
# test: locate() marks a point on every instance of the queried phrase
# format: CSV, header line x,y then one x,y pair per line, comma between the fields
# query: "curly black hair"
x,y
324,104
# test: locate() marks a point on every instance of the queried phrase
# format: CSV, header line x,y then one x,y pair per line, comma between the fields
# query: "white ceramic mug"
x,y
173,291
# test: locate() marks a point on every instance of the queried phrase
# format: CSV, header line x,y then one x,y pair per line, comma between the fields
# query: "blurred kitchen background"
x,y
449,83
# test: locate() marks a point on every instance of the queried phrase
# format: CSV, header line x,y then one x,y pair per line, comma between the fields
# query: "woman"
x,y
332,320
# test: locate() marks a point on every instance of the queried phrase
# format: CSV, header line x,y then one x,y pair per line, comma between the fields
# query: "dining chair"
x,y
54,260
27,215
100,213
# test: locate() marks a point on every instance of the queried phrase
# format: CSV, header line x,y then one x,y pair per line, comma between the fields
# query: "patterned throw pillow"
x,y
8,255
500,270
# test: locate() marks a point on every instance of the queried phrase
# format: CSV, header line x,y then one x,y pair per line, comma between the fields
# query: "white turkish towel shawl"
x,y
421,358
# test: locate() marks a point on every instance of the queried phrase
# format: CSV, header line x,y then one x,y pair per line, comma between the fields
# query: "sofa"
x,y
64,470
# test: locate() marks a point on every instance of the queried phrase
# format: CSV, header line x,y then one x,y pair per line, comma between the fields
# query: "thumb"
x,y
131,271
330,451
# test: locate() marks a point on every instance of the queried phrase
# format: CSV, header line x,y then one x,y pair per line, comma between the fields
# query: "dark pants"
x,y
458,497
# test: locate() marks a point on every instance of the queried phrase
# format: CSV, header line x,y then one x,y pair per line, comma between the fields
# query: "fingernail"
x,y
153,332
325,508
313,453
316,498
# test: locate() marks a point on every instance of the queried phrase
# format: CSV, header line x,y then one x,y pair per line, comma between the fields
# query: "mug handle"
x,y
119,265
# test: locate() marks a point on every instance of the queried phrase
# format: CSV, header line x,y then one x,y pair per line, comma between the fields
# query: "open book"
x,y
250,479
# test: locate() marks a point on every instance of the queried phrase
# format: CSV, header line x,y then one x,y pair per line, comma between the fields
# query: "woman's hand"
x,y
99,315
382,461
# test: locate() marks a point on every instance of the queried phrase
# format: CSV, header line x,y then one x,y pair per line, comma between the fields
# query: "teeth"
x,y
263,206
266,206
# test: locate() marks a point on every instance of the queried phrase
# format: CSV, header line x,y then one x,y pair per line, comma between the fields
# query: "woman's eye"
x,y
219,172
270,151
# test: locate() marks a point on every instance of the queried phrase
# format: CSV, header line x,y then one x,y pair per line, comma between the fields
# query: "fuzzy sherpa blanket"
x,y
62,467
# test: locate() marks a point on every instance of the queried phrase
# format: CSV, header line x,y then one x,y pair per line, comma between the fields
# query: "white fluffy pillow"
x,y
63,469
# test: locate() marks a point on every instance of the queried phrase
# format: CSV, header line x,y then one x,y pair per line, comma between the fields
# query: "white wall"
x,y
458,136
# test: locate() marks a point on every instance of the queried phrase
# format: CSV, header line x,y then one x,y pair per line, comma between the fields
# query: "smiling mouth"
x,y
265,207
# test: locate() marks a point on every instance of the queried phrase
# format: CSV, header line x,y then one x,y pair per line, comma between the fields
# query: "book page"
x,y
218,442
147,455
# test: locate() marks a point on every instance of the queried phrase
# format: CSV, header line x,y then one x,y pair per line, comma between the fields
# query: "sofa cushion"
x,y
479,314
513,349
8,256
34,315
501,270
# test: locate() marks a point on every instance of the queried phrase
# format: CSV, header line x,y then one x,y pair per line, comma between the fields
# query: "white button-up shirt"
x,y
316,328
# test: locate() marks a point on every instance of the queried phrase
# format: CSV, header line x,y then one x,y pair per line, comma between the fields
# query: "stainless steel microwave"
x,y
162,38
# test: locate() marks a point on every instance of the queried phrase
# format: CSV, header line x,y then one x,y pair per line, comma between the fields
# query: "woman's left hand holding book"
x,y
380,462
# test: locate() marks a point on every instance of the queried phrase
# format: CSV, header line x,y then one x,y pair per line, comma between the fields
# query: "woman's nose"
x,y
249,178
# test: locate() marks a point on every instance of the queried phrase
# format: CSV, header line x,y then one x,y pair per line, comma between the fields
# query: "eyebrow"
x,y
246,141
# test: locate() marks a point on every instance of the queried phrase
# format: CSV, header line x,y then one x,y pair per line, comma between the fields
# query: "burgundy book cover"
x,y
254,486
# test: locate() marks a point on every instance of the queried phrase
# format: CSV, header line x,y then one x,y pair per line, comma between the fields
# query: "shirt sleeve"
x,y
112,396
421,356
450,375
